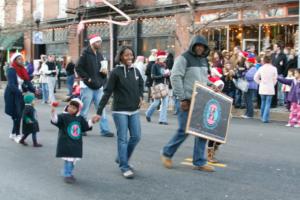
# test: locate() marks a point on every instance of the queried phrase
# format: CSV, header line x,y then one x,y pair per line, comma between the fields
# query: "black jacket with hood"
x,y
127,86
88,67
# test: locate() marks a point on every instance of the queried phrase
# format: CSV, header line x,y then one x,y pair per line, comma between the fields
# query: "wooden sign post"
x,y
209,114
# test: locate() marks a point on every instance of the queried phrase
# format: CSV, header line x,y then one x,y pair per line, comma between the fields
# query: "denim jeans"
x,y
231,94
68,168
266,101
51,86
70,82
280,94
45,92
249,95
199,154
126,147
87,97
239,101
163,116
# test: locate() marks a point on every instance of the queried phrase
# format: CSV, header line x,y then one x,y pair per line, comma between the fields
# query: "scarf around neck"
x,y
21,71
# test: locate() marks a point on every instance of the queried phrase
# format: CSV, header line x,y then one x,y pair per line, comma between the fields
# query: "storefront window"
x,y
275,12
163,43
216,38
278,33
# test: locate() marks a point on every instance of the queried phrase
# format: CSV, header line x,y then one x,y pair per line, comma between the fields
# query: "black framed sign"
x,y
209,114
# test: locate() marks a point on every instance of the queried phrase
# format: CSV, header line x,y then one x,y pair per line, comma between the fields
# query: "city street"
x,y
259,162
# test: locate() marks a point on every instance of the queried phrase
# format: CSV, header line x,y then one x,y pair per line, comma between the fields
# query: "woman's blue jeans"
x,y
126,147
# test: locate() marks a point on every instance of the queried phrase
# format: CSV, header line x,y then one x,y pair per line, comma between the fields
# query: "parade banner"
x,y
209,114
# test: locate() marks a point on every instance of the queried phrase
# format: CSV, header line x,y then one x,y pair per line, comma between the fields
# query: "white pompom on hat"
x,y
14,56
94,38
219,84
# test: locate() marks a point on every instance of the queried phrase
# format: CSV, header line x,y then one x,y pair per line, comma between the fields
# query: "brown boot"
x,y
205,168
211,155
167,162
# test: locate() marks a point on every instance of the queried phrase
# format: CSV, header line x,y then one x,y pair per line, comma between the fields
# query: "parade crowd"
x,y
267,80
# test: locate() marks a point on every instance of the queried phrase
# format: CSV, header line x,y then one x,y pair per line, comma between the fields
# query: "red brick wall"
x,y
73,44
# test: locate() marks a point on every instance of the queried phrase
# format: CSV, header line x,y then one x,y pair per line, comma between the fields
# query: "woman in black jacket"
x,y
127,86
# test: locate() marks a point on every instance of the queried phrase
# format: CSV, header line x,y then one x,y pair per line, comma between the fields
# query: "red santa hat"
x,y
161,54
14,56
251,60
94,38
245,54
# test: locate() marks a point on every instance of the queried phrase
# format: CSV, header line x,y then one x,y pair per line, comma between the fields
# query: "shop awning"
x,y
11,41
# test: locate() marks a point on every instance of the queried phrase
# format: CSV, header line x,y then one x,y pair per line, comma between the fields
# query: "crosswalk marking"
x,y
188,162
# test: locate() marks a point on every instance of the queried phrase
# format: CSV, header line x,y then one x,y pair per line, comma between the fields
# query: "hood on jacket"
x,y
124,69
199,40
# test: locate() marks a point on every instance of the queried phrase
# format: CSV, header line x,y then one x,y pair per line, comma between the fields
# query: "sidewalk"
x,y
277,114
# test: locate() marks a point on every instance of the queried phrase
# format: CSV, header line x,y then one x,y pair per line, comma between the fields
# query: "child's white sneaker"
x,y
288,125
12,136
18,138
297,126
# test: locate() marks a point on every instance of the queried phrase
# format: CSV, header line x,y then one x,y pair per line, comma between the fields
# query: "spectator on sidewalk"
x,y
252,87
279,60
51,73
160,74
266,77
44,72
293,98
149,80
93,77
70,69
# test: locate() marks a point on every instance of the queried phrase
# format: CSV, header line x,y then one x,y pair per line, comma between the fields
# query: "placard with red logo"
x,y
209,115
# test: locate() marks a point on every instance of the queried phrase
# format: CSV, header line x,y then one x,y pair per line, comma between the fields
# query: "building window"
x,y
40,7
62,8
19,11
275,12
293,11
2,12
251,14
160,2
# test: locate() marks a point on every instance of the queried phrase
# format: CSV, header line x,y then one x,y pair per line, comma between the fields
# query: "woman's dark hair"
x,y
267,59
121,52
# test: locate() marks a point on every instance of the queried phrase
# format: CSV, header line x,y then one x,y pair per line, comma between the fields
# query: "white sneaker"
x,y
245,117
18,138
297,126
12,136
288,125
128,174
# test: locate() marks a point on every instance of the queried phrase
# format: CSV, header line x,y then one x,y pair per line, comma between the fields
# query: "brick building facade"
x,y
161,24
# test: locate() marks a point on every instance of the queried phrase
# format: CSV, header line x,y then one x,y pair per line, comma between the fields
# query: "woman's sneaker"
x,y
12,136
297,126
288,125
128,174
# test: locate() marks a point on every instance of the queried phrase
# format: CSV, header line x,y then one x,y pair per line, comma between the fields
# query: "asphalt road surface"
x,y
259,162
